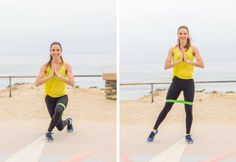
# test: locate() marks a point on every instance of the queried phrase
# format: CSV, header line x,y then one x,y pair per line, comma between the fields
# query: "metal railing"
x,y
13,77
157,83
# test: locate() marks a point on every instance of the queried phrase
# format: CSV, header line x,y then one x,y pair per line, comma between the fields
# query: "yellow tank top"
x,y
183,70
55,87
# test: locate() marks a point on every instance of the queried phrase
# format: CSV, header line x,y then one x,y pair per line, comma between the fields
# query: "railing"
x,y
122,84
11,77
151,84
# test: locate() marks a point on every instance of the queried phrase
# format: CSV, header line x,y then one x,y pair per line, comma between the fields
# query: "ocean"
x,y
213,71
98,64
16,65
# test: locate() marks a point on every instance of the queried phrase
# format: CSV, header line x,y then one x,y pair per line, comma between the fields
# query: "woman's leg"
x,y
60,105
51,104
189,96
173,93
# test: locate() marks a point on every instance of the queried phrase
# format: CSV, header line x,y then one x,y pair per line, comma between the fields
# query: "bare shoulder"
x,y
67,65
44,67
43,70
171,50
194,48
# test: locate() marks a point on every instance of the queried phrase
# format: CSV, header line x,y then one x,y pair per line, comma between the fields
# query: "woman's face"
x,y
55,51
183,35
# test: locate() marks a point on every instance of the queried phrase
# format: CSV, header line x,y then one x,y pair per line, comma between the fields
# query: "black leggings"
x,y
56,107
178,85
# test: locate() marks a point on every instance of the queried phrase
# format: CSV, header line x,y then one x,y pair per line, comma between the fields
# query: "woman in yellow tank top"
x,y
181,58
55,75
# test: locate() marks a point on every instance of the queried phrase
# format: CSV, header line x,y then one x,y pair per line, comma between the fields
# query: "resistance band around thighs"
x,y
180,101
62,105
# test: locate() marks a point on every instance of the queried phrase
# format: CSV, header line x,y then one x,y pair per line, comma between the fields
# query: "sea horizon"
x,y
153,73
135,73
16,65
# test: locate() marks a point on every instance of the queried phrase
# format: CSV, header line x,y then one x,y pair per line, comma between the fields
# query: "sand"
x,y
213,129
24,118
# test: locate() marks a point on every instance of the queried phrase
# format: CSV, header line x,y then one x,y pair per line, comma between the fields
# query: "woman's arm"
x,y
41,77
199,61
70,78
168,63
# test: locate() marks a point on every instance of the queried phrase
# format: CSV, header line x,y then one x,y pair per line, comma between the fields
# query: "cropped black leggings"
x,y
55,108
178,85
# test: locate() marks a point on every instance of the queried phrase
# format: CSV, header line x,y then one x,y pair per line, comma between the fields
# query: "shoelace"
x,y
49,134
152,134
189,138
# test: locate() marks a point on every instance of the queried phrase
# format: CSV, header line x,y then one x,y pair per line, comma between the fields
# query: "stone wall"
x,y
110,85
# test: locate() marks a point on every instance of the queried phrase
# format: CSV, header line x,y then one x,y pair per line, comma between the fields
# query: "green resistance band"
x,y
180,101
62,105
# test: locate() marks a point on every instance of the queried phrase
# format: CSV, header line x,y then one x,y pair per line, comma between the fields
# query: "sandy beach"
x,y
213,130
24,121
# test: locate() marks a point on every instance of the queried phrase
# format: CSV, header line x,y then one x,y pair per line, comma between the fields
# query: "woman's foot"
x,y
151,136
70,128
189,139
49,137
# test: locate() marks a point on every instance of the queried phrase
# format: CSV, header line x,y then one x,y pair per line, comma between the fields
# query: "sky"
x,y
148,28
84,27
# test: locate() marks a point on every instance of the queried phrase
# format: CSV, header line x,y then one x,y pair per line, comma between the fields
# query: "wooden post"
x,y
152,92
9,86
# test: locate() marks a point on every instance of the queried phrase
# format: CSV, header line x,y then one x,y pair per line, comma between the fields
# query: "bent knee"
x,y
59,128
59,109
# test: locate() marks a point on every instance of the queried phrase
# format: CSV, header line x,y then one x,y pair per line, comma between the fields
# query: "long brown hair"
x,y
50,60
188,44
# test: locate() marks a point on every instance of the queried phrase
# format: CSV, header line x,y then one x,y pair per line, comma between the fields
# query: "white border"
x,y
117,81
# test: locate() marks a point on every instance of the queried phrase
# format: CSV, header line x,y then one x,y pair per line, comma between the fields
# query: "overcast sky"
x,y
82,26
148,28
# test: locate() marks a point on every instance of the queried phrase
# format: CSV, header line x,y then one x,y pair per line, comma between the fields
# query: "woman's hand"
x,y
181,58
51,75
187,61
55,72
69,79
198,63
41,78
59,76
169,63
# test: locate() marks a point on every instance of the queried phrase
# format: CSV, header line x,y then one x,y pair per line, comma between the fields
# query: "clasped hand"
x,y
55,72
184,59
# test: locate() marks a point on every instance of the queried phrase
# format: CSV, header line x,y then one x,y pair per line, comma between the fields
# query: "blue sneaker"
x,y
189,139
70,128
49,137
151,136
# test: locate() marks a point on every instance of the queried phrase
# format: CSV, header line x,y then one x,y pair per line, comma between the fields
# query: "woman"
x,y
56,74
181,58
